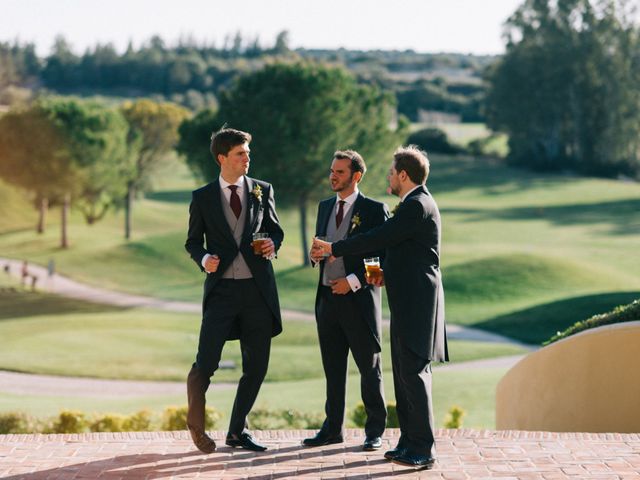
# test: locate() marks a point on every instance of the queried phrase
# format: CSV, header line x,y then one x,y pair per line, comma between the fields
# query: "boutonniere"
x,y
395,209
257,192
355,221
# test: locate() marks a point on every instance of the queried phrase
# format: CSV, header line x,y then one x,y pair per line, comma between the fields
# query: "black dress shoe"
x,y
391,454
322,438
416,461
371,444
246,441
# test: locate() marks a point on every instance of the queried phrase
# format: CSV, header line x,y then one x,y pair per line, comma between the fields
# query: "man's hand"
x,y
316,254
322,246
340,286
211,264
377,281
268,249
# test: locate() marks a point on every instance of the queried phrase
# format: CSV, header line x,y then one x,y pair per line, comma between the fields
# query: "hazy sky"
x,y
466,26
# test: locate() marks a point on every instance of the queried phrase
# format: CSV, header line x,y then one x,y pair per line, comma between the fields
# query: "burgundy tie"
x,y
234,201
340,214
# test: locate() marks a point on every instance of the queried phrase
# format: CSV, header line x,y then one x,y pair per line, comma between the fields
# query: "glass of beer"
x,y
258,241
372,268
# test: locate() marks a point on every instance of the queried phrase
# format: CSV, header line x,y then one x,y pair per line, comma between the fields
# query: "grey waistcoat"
x,y
335,270
238,270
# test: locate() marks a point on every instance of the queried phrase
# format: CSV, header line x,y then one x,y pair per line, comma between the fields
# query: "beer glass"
x,y
258,241
372,268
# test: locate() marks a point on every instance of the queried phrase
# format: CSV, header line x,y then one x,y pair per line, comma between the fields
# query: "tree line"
x,y
194,75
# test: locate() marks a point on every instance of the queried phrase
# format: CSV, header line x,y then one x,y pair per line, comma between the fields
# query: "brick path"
x,y
463,454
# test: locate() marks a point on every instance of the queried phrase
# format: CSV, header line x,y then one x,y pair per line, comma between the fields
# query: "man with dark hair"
x,y
348,311
416,300
240,295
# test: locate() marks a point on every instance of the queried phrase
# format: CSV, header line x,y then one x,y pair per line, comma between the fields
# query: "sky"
x,y
461,26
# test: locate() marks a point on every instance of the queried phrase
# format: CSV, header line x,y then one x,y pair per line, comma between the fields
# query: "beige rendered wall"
x,y
589,382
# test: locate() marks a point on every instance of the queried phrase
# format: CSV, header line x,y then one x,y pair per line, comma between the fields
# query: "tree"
x,y
95,140
194,143
568,89
30,145
66,151
298,115
153,134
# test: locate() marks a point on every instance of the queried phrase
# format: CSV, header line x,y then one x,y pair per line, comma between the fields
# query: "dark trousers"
x,y
412,385
237,305
341,328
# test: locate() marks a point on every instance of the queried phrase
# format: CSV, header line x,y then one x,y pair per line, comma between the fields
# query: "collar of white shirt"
x,y
224,184
350,200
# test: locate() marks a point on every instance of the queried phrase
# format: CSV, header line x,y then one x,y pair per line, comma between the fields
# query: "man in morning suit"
x,y
416,300
240,296
348,312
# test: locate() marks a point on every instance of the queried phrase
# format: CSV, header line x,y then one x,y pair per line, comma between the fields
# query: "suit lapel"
x,y
217,214
355,213
253,205
329,207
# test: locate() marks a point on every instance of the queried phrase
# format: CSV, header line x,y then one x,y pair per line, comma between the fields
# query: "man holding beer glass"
x,y
348,312
416,299
236,216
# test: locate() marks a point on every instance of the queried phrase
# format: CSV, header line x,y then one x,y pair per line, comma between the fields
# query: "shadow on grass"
x,y
18,303
492,175
621,215
538,324
170,196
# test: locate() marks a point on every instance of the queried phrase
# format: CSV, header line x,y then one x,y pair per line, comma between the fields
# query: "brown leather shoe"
x,y
202,441
197,385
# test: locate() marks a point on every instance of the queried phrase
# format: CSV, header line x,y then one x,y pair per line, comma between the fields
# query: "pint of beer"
x,y
258,241
372,268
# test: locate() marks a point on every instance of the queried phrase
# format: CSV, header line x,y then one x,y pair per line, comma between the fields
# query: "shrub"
x,y
15,422
454,417
622,313
108,423
137,422
175,418
359,415
69,421
266,419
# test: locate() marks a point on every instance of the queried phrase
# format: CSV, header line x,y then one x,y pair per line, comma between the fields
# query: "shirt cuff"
x,y
204,260
354,282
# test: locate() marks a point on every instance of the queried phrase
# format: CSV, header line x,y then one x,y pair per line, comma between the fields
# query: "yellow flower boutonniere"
x,y
257,192
395,209
355,221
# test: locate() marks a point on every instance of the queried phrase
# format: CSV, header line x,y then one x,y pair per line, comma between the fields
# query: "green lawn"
x,y
523,254
518,247
58,336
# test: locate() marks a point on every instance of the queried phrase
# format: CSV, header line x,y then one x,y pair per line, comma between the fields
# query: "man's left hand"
x,y
268,249
340,286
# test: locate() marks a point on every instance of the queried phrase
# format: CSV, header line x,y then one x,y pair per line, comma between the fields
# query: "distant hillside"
x,y
193,75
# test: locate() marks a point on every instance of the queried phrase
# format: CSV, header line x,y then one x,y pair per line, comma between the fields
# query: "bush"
x,y
137,422
359,415
69,421
433,140
15,422
266,419
175,418
108,423
622,313
454,417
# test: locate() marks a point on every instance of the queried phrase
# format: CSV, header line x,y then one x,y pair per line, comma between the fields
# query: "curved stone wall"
x,y
589,382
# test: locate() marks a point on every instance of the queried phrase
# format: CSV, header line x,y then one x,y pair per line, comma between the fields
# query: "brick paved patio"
x,y
463,454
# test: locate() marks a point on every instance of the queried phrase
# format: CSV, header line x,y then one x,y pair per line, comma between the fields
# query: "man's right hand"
x,y
211,264
377,281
